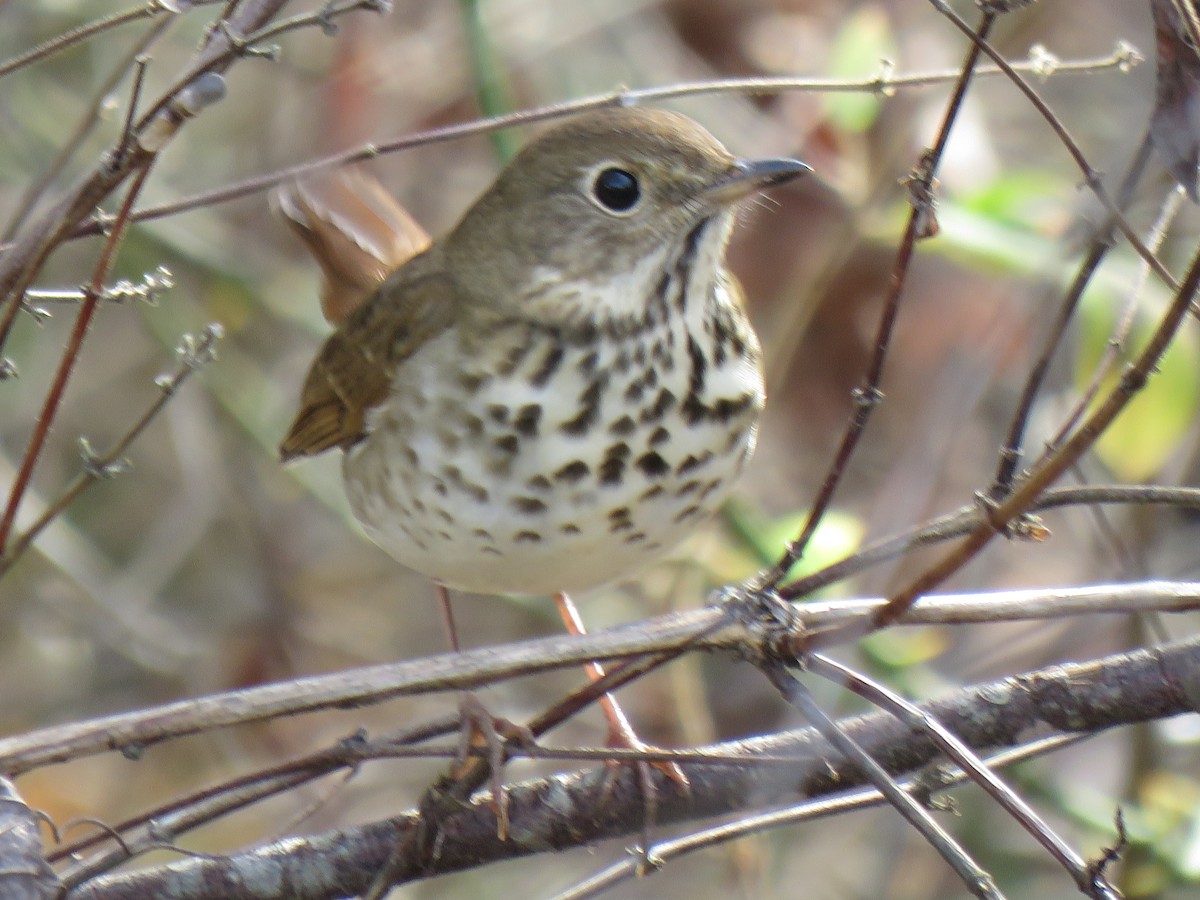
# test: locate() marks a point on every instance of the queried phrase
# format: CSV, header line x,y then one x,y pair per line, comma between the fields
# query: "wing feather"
x,y
353,372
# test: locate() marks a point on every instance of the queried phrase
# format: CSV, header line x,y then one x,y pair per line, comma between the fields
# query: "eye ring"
x,y
616,190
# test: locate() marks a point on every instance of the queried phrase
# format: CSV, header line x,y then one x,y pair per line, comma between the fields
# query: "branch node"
x,y
1127,56
922,195
1108,855
867,397
883,87
96,466
648,862
1042,63
772,622
195,352
324,19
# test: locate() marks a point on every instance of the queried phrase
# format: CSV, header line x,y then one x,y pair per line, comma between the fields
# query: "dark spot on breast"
x,y
687,488
633,393
651,492
529,506
693,410
725,409
687,257
621,363
507,443
581,423
471,382
515,357
661,292
439,487
710,487
527,419
490,550
589,407
473,425
550,364
653,465
659,436
635,537
445,535
619,450
691,462
498,413
482,533
612,470
587,365
623,426
570,528
720,333
687,513
527,537
619,520
538,483
572,472
661,406
445,516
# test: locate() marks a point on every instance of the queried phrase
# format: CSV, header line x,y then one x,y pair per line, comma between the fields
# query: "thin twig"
x,y
60,42
194,353
87,123
1010,451
999,516
1092,178
1125,321
963,520
74,345
962,756
978,882
884,84
23,259
869,394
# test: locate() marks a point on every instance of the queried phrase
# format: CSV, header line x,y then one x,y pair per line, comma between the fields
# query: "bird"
x,y
566,384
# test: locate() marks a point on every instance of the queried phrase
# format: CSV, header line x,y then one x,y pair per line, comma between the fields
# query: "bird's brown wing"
x,y
354,370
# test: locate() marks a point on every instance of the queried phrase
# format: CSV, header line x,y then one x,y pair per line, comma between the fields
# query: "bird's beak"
x,y
746,176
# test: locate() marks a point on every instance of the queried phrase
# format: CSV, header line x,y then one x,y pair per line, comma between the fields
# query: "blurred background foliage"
x,y
209,566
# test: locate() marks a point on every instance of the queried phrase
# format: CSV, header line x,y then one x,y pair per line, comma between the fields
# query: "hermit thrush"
x,y
566,384
561,388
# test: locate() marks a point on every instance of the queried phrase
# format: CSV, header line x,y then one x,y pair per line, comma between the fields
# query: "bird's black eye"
x,y
616,190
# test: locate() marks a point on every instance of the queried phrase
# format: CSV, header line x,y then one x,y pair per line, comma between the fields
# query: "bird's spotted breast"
x,y
530,463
